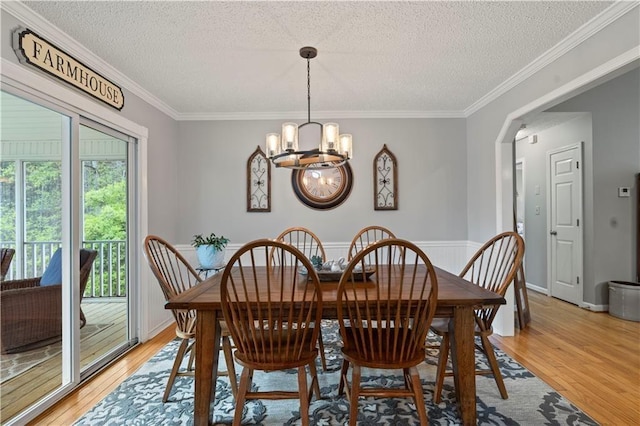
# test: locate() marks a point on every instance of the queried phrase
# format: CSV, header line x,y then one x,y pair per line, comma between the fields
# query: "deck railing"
x,y
108,275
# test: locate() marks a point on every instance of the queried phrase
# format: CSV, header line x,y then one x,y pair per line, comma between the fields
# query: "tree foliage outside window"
x,y
105,215
7,201
105,221
43,201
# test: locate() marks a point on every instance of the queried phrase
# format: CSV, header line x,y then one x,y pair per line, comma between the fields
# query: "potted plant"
x,y
210,250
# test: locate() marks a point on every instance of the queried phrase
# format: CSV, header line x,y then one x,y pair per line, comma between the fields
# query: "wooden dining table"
x,y
457,299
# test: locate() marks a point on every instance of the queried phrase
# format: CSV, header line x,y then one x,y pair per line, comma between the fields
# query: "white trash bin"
x,y
624,300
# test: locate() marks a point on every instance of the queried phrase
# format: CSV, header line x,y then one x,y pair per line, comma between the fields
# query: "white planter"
x,y
210,257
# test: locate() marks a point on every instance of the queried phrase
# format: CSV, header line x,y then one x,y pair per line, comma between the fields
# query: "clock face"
x,y
323,188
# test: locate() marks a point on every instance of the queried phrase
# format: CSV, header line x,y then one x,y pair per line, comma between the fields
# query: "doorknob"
x,y
553,233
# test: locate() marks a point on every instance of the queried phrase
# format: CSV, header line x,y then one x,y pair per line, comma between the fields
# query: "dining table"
x,y
457,299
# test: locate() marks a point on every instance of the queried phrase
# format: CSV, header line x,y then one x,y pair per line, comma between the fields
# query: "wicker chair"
x,y
272,317
175,275
31,314
366,236
310,245
493,267
6,255
378,330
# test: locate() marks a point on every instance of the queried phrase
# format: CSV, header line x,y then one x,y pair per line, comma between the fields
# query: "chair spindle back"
x,y
304,240
386,324
174,274
367,236
494,267
273,313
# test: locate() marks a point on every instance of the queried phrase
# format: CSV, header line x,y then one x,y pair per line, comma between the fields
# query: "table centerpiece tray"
x,y
334,276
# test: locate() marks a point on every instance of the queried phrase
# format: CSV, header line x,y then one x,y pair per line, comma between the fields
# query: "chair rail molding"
x,y
448,255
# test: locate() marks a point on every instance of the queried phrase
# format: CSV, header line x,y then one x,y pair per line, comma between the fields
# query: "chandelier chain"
x,y
308,90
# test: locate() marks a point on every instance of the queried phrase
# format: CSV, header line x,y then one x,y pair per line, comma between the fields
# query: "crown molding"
x,y
609,15
322,115
55,35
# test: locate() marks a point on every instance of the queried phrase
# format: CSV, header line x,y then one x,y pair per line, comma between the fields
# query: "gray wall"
x,y
431,175
535,155
484,125
615,111
611,136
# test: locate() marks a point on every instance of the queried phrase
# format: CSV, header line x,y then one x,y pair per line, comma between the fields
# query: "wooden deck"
x,y
30,386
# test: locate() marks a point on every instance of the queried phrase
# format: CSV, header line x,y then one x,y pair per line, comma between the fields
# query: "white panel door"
x,y
565,216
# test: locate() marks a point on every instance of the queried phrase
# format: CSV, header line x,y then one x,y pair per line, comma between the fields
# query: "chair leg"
x,y
442,366
493,362
303,395
231,369
321,348
245,382
418,395
192,356
355,393
176,366
315,386
343,376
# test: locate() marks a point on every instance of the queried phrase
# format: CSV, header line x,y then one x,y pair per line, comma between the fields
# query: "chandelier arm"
x,y
310,122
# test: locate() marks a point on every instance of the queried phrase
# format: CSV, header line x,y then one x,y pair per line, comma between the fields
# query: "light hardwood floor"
x,y
593,359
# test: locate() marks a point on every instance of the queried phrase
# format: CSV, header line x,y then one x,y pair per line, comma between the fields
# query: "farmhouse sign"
x,y
36,51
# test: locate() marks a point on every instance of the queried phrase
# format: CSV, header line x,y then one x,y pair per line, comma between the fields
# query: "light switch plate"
x,y
624,191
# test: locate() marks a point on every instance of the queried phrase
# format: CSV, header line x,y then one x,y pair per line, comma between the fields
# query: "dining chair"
x,y
493,267
273,316
6,255
384,326
175,275
310,245
304,240
367,236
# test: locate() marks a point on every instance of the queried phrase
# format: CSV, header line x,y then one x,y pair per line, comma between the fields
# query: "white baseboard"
x,y
585,305
537,289
157,329
595,308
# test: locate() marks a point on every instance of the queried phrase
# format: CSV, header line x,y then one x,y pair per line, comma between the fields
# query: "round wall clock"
x,y
323,188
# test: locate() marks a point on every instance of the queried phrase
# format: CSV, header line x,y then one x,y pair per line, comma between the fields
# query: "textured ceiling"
x,y
242,57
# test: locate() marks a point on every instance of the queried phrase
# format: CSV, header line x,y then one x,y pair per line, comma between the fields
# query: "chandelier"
x,y
333,149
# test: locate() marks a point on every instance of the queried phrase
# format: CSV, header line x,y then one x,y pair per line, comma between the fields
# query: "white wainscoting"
x,y
448,255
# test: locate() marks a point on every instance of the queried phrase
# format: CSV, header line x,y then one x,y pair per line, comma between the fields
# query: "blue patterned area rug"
x,y
138,400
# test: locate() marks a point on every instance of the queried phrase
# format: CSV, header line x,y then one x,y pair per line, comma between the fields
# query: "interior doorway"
x,y
520,196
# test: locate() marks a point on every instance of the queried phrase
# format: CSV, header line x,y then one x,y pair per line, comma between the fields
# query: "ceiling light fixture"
x,y
333,149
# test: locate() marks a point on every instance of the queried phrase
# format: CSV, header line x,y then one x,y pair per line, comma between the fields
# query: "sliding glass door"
x,y
105,200
31,216
67,192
